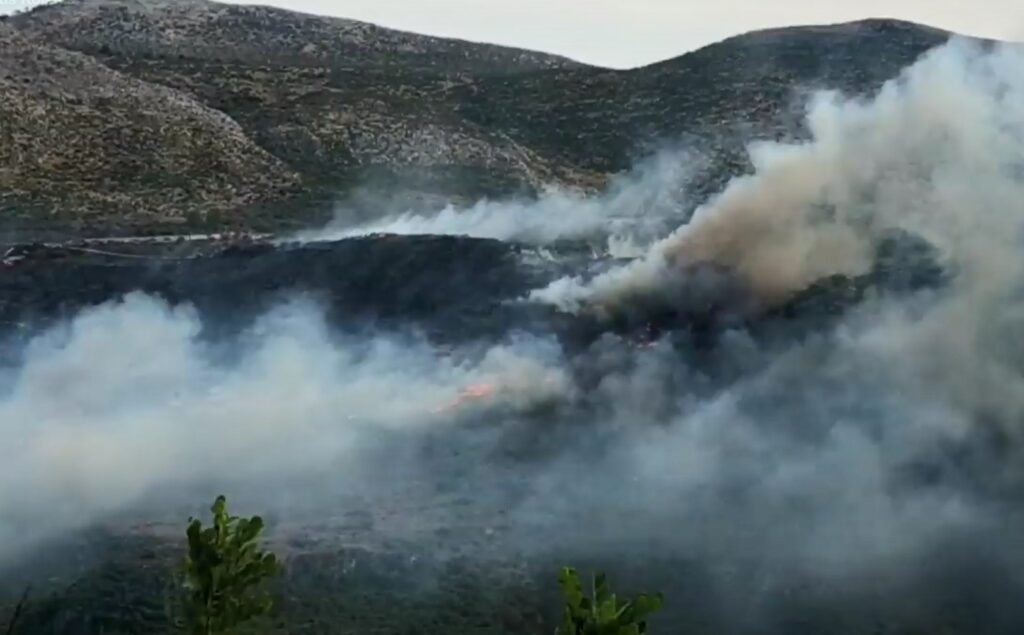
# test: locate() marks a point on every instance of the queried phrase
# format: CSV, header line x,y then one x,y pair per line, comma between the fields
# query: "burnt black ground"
x,y
449,282
452,288
357,567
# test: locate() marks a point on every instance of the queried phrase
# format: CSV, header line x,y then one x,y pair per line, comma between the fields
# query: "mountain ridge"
x,y
86,24
325,111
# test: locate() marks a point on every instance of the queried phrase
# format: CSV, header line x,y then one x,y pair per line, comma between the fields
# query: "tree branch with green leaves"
x,y
225,571
602,613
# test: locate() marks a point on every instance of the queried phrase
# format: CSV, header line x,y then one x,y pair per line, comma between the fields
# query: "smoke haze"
x,y
126,397
636,208
878,454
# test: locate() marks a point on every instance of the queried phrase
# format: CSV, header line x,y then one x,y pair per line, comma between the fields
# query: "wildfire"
x,y
487,390
648,339
471,392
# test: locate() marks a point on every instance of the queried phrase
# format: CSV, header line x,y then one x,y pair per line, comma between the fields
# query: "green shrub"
x,y
602,613
224,571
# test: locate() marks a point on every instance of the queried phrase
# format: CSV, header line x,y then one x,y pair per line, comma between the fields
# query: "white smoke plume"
x,y
126,397
857,453
634,209
936,152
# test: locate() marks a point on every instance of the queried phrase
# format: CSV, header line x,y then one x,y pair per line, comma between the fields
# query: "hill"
x,y
130,115
83,144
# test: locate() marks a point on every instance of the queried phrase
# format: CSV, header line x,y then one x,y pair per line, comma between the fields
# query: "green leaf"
x,y
601,591
606,611
647,604
602,613
224,569
572,592
219,506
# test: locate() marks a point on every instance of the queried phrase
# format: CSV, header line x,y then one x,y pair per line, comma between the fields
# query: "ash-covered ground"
x,y
793,407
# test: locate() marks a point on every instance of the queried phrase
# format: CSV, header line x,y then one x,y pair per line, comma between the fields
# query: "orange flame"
x,y
471,392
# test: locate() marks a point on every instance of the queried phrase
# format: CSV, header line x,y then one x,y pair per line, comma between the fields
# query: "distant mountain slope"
x,y
316,106
81,144
718,96
199,29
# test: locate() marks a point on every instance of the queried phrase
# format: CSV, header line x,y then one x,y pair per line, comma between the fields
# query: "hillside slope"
x,y
318,106
82,144
260,35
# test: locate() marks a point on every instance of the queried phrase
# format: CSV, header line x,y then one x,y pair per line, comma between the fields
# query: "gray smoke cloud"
x,y
858,453
935,153
126,397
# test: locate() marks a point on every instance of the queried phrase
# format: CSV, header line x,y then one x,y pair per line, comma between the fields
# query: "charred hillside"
x,y
289,111
451,289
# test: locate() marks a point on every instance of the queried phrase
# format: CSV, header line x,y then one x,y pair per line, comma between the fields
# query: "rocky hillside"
x,y
84,144
130,115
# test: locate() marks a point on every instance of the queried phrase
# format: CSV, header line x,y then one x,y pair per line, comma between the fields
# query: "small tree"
x,y
602,613
224,570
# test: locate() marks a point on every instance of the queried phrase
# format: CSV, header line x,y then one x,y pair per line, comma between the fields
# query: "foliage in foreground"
x,y
602,613
224,572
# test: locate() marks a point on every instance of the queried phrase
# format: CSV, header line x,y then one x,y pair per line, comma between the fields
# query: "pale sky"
x,y
623,33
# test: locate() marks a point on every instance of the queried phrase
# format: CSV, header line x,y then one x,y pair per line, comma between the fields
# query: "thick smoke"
x,y
876,457
936,153
890,444
128,397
